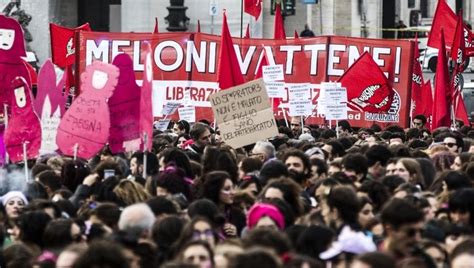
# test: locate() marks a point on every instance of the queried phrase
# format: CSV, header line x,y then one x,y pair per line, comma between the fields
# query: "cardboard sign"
x,y
87,122
162,124
50,105
272,73
275,89
244,114
187,113
23,125
124,106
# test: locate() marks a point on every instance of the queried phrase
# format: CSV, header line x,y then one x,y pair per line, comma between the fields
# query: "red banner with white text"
x,y
186,64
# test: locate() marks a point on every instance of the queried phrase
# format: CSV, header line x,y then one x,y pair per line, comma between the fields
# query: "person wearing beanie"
x,y
265,215
14,202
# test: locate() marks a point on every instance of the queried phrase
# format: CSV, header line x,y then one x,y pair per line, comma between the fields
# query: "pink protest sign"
x,y
124,108
12,48
50,105
146,110
86,124
23,124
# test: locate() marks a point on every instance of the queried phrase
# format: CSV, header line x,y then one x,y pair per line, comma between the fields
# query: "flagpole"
x,y
241,17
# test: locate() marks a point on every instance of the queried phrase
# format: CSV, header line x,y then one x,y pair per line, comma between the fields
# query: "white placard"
x,y
162,124
170,108
336,95
299,92
275,89
336,112
272,73
300,108
187,113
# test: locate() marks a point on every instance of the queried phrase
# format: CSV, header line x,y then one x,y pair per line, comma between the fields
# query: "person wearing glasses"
x,y
453,142
419,121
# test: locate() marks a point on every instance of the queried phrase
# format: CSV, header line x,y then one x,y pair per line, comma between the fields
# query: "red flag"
x,y
458,54
32,72
199,26
155,31
63,43
417,83
368,89
442,94
229,74
427,104
247,32
460,112
296,35
279,26
253,7
445,18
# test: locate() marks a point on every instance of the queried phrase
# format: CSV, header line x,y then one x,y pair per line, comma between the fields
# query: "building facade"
x,y
366,18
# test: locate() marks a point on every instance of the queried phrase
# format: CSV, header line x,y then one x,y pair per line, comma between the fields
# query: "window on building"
x,y
411,3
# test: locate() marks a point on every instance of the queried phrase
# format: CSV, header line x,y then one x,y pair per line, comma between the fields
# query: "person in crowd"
x,y
201,136
263,150
419,121
181,127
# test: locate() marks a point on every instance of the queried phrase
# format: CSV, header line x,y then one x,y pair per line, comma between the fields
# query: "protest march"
x,y
191,149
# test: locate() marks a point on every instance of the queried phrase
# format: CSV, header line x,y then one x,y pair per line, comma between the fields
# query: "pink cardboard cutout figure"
x,y
124,108
50,105
12,48
23,125
146,109
86,124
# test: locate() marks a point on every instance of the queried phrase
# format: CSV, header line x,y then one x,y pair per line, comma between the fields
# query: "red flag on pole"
x,y
445,18
199,26
417,84
63,43
155,30
229,73
442,94
458,53
253,8
296,35
279,26
368,89
427,104
247,32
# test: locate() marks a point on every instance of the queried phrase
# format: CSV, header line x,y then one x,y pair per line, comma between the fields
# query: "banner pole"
x,y
5,115
241,18
145,149
76,148
25,159
337,126
284,116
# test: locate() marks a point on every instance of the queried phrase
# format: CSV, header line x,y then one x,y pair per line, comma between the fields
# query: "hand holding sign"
x,y
23,125
87,121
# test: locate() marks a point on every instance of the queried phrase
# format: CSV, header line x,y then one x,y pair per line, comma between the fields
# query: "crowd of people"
x,y
310,197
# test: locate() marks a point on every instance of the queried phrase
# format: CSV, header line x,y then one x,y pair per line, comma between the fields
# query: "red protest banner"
x,y
185,66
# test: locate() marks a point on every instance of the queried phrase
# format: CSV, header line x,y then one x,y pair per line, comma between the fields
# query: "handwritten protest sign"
x,y
244,114
187,113
49,104
86,124
272,73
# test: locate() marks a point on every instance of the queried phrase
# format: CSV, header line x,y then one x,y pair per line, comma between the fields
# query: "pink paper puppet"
x,y
50,105
146,110
12,48
124,108
49,90
86,123
23,124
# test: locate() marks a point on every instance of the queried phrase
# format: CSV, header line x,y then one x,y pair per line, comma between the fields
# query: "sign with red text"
x,y
185,66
